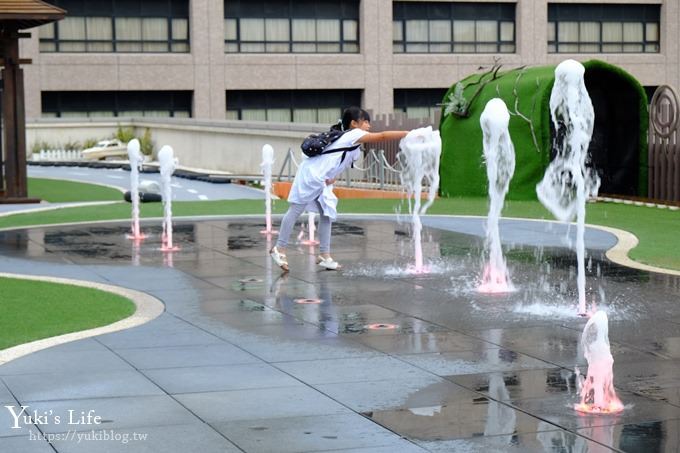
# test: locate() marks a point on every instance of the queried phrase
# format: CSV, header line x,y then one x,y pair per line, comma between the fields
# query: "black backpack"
x,y
315,144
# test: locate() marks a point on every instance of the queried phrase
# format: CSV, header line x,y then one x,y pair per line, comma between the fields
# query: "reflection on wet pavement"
x,y
422,356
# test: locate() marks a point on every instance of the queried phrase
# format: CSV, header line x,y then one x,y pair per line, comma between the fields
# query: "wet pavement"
x,y
369,359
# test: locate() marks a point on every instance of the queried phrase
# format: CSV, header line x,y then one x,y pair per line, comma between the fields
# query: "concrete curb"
x,y
147,309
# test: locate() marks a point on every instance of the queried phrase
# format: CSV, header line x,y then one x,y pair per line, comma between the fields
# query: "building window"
x,y
299,106
608,28
118,26
448,27
68,104
291,26
419,103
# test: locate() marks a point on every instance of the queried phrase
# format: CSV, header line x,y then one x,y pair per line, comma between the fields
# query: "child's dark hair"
x,y
351,114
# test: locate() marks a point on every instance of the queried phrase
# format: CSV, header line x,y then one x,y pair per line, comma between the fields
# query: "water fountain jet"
x,y
499,154
136,160
597,389
419,154
266,165
567,182
167,161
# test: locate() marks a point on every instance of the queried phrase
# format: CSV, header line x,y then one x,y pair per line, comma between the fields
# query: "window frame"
x,y
349,11
56,103
120,9
644,14
500,13
292,100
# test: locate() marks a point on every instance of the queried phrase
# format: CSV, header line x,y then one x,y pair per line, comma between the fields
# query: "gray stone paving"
x,y
235,364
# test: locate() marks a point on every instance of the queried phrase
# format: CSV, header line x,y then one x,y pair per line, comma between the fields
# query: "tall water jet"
x,y
567,182
499,154
167,161
419,154
597,389
266,165
136,160
311,229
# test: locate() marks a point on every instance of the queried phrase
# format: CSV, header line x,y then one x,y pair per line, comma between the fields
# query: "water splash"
x,y
567,182
266,165
597,389
136,160
499,154
418,155
167,161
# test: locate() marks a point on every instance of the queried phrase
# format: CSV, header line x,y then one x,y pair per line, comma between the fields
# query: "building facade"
x,y
301,60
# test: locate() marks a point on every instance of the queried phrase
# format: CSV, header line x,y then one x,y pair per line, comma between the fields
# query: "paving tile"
x,y
66,385
351,370
115,413
215,378
195,437
559,411
473,362
541,442
257,404
25,444
390,394
311,433
186,356
74,361
424,343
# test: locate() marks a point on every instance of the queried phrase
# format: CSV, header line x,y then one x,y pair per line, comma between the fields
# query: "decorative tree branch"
x,y
457,104
516,111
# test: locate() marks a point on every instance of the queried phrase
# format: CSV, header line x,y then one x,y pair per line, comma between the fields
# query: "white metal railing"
x,y
57,155
372,172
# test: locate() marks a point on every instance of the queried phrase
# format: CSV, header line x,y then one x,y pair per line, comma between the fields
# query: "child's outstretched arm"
x,y
373,137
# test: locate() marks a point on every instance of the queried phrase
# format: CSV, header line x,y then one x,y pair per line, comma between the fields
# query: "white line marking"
x,y
176,186
76,173
114,177
194,191
202,197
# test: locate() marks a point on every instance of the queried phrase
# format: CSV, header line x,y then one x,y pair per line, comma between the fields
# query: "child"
x,y
313,185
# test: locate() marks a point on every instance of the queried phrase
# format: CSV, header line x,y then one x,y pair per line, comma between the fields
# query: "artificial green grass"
x,y
462,169
59,191
31,310
655,228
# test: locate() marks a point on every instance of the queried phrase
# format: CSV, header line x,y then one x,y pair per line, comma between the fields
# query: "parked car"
x,y
106,149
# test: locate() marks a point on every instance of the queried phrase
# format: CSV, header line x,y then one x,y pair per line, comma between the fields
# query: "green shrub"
x,y
90,142
42,145
124,134
145,143
73,145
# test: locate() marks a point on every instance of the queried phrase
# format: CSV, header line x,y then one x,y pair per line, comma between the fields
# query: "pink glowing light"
x,y
269,232
598,395
169,248
495,281
381,326
613,407
308,301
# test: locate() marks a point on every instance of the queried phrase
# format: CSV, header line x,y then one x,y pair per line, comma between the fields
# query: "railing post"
x,y
382,169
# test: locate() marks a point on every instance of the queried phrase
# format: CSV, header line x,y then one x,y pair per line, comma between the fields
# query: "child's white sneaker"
x,y
279,258
328,263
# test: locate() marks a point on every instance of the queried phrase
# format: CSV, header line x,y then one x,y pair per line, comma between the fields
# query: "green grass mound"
x,y
59,191
526,92
31,310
